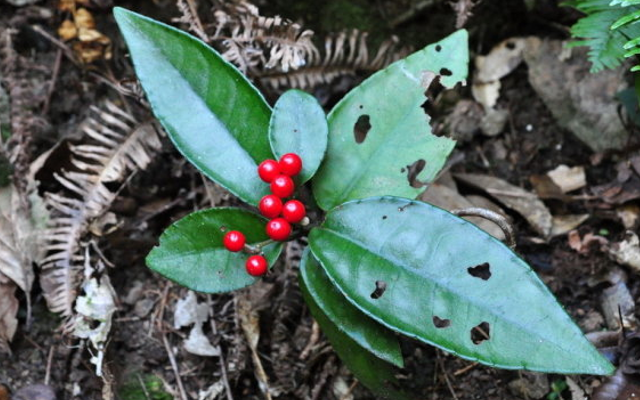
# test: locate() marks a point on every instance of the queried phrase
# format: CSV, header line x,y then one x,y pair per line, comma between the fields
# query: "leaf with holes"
x,y
370,335
191,252
449,284
213,114
298,125
380,141
373,372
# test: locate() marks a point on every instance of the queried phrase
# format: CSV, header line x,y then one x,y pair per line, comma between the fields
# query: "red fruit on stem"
x,y
270,206
278,229
234,241
256,266
282,186
293,211
268,170
290,164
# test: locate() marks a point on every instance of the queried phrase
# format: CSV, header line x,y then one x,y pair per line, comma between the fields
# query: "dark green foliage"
x,y
608,29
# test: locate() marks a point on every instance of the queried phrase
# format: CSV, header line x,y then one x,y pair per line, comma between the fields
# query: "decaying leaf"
x,y
525,203
627,251
89,44
95,310
568,179
563,224
8,311
119,146
585,244
616,303
449,199
189,312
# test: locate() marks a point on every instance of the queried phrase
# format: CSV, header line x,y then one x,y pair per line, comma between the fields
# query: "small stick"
x,y
47,375
61,45
465,369
509,234
446,377
313,339
223,368
411,12
167,346
52,85
353,386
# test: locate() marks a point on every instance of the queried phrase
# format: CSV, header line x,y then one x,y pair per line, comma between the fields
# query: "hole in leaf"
x,y
438,48
432,93
511,45
381,286
413,171
482,271
441,322
480,333
445,72
223,228
361,128
384,217
361,106
295,130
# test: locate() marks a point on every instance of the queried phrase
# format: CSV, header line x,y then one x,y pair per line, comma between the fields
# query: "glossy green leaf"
x,y
387,106
191,252
366,332
213,114
374,373
299,125
445,278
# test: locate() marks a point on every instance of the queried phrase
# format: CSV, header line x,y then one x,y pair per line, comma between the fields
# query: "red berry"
x,y
293,211
234,241
270,206
282,186
256,266
278,229
268,170
290,164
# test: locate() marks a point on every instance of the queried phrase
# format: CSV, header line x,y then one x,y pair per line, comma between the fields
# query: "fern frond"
x,y
281,54
606,29
120,145
344,54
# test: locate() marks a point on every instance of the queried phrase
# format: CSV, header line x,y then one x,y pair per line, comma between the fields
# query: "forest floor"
x,y
51,93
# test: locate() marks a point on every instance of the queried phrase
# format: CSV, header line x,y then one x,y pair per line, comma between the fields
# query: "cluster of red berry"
x,y
279,175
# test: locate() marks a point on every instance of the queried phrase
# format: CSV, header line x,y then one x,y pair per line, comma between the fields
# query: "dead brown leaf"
x,y
523,202
8,311
568,179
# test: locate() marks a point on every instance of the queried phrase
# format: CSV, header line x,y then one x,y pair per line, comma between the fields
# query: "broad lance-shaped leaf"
x,y
299,125
370,335
373,372
450,284
380,141
191,252
213,114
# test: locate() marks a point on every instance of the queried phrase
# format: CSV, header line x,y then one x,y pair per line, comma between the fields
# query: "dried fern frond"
x,y
344,54
119,146
280,53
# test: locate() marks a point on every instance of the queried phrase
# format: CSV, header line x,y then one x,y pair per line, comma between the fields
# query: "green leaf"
x,y
191,252
370,335
384,114
213,114
377,375
446,281
299,125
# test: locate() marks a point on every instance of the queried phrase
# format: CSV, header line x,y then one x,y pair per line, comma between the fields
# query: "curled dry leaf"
x,y
89,44
523,202
627,251
189,312
95,309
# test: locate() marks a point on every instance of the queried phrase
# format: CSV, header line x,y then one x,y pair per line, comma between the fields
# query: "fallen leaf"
x,y
8,311
449,199
67,30
564,223
35,392
501,60
523,202
568,179
189,312
628,215
627,251
616,302
546,188
585,244
486,93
